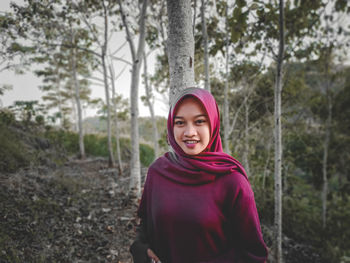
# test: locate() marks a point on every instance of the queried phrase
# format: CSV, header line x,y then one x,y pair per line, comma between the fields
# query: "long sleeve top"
x,y
214,222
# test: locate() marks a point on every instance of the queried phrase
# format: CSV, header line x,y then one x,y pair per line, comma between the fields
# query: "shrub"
x,y
13,153
7,117
302,217
96,145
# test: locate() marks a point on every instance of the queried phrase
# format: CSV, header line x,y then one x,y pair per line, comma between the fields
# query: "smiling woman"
x,y
191,126
197,204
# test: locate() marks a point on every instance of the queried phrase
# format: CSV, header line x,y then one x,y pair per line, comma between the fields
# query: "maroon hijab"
x,y
204,167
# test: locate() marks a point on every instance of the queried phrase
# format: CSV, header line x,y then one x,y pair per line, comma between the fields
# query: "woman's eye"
x,y
200,121
179,122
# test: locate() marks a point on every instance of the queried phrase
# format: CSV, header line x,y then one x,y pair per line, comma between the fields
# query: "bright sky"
x,y
25,87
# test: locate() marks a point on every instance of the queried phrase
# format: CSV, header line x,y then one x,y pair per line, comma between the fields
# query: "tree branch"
x,y
121,59
128,34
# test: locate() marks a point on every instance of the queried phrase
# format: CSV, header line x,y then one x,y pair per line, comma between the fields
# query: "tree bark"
x,y
246,138
74,112
180,46
135,173
326,143
115,109
226,116
194,15
205,45
278,141
77,100
59,97
266,164
150,107
111,162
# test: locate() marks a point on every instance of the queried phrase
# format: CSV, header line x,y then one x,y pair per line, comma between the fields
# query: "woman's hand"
x,y
152,256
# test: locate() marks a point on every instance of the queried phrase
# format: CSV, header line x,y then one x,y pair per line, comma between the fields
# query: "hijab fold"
x,y
204,167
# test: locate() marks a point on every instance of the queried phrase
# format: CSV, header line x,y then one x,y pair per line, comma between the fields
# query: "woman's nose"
x,y
190,130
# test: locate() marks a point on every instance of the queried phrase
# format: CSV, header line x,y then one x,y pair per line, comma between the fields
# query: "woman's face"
x,y
191,126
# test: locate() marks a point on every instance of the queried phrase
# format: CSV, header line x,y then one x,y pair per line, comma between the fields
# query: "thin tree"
x,y
135,173
226,117
333,39
85,9
148,100
73,64
278,140
113,78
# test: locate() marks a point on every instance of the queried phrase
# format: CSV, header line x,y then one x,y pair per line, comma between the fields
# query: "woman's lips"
x,y
191,143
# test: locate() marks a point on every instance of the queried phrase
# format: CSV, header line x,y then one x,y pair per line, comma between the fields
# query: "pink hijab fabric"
x,y
213,161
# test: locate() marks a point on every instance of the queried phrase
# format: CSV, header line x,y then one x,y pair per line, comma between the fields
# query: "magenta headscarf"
x,y
204,167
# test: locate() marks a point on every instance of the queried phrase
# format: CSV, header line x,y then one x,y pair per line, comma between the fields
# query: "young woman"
x,y
197,204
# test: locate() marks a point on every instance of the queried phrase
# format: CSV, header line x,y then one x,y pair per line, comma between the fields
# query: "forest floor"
x,y
79,212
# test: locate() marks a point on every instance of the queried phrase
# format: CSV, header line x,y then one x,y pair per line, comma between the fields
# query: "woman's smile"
x,y
191,144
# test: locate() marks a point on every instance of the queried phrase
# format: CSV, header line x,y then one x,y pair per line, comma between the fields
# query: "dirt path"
x,y
76,213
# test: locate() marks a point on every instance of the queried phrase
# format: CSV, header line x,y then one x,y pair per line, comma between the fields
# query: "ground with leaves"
x,y
79,212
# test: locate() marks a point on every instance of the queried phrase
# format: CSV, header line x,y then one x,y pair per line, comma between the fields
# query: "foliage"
x,y
96,145
7,117
302,216
13,153
23,145
25,110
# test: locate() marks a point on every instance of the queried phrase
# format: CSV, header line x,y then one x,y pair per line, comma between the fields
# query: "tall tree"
x,y
332,40
74,71
230,39
226,118
302,18
135,173
180,46
114,78
87,9
278,138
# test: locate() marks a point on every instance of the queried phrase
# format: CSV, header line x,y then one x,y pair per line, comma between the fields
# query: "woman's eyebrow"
x,y
197,116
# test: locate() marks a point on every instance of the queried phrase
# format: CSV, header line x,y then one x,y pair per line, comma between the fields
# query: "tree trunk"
x,y
59,97
194,15
135,167
326,146
205,45
111,162
180,46
77,101
246,138
150,107
266,164
74,115
278,141
226,116
116,126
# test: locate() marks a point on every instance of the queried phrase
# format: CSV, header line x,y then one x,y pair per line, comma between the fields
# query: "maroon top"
x,y
200,208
